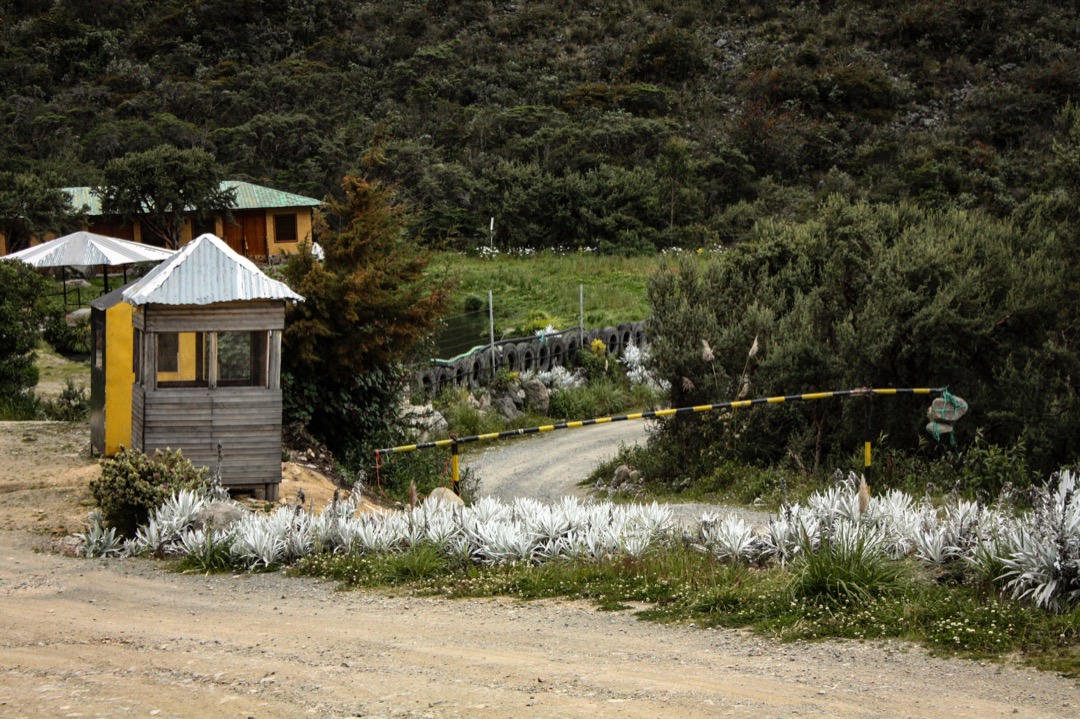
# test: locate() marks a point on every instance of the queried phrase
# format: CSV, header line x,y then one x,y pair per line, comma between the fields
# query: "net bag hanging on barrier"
x,y
943,413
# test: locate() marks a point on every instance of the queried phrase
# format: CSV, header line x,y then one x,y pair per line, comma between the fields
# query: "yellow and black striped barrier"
x,y
455,442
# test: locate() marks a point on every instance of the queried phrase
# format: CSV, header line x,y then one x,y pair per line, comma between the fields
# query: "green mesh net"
x,y
943,413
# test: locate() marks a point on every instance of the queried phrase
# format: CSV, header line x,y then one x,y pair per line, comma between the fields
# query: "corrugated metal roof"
x,y
86,248
81,197
249,196
205,271
253,197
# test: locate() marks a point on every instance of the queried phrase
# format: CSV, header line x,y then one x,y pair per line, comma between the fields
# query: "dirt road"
x,y
549,466
127,638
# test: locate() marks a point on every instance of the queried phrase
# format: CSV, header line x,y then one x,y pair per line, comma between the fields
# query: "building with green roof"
x,y
264,221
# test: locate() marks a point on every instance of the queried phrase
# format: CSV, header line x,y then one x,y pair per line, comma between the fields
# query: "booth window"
x,y
285,228
242,359
99,343
168,351
136,356
182,359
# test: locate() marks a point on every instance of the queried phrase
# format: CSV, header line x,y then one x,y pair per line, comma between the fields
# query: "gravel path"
x,y
551,466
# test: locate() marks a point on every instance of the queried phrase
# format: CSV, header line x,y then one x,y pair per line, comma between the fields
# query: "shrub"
x,y
72,405
133,484
67,339
22,292
849,569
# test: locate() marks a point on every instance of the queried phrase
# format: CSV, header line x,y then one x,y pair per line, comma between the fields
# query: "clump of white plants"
x,y
1034,555
636,359
558,378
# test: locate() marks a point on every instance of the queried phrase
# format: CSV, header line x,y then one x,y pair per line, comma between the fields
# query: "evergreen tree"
x,y
367,306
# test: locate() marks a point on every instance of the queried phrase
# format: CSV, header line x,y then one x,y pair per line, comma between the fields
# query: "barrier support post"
x,y
868,438
455,468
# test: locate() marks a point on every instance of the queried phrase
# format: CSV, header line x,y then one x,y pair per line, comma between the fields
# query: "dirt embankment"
x,y
128,638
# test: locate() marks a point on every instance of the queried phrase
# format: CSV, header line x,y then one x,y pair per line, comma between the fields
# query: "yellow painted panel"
x,y
119,377
303,230
185,362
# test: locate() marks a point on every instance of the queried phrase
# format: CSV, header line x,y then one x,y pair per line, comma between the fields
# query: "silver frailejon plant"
x,y
1043,554
1036,554
97,540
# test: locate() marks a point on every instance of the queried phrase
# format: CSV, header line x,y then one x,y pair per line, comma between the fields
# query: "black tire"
x,y
610,335
511,358
444,376
543,355
558,352
626,336
497,362
427,381
478,368
461,372
527,350
573,346
639,333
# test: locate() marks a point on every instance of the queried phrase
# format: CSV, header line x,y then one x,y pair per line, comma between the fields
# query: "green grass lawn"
x,y
615,288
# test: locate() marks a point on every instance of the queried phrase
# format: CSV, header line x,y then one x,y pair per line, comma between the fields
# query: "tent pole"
x,y
105,273
63,283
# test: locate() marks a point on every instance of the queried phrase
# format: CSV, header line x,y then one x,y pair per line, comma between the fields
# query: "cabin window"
x,y
203,226
182,359
242,359
285,228
148,237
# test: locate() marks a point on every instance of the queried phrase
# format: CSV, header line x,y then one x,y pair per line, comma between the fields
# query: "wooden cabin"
x,y
206,344
265,222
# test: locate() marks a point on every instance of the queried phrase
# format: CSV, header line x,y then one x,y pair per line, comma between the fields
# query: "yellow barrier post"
x,y
455,468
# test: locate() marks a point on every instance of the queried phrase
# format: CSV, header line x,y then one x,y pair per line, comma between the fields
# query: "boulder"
x,y
444,495
537,396
427,420
505,405
622,476
218,515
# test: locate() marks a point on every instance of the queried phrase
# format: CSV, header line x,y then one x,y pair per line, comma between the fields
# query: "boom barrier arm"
x,y
455,442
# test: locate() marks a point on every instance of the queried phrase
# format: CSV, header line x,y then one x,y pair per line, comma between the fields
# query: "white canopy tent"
x,y
80,249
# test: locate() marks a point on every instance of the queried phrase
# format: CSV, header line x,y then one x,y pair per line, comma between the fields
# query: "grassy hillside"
x,y
538,290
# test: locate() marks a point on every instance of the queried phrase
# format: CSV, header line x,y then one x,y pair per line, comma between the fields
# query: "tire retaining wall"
x,y
525,354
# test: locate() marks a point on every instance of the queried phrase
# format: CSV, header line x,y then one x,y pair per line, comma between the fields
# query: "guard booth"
x,y
110,367
206,344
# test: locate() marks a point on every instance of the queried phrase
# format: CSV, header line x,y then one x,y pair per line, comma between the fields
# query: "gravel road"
x,y
552,465
129,638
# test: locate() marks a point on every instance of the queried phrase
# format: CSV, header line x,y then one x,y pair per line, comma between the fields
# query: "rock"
x,y
77,283
505,405
472,401
218,515
484,402
518,396
635,477
427,420
81,314
443,495
622,476
537,396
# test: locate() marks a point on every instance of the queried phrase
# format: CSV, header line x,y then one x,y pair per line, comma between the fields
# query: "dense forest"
x,y
625,125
